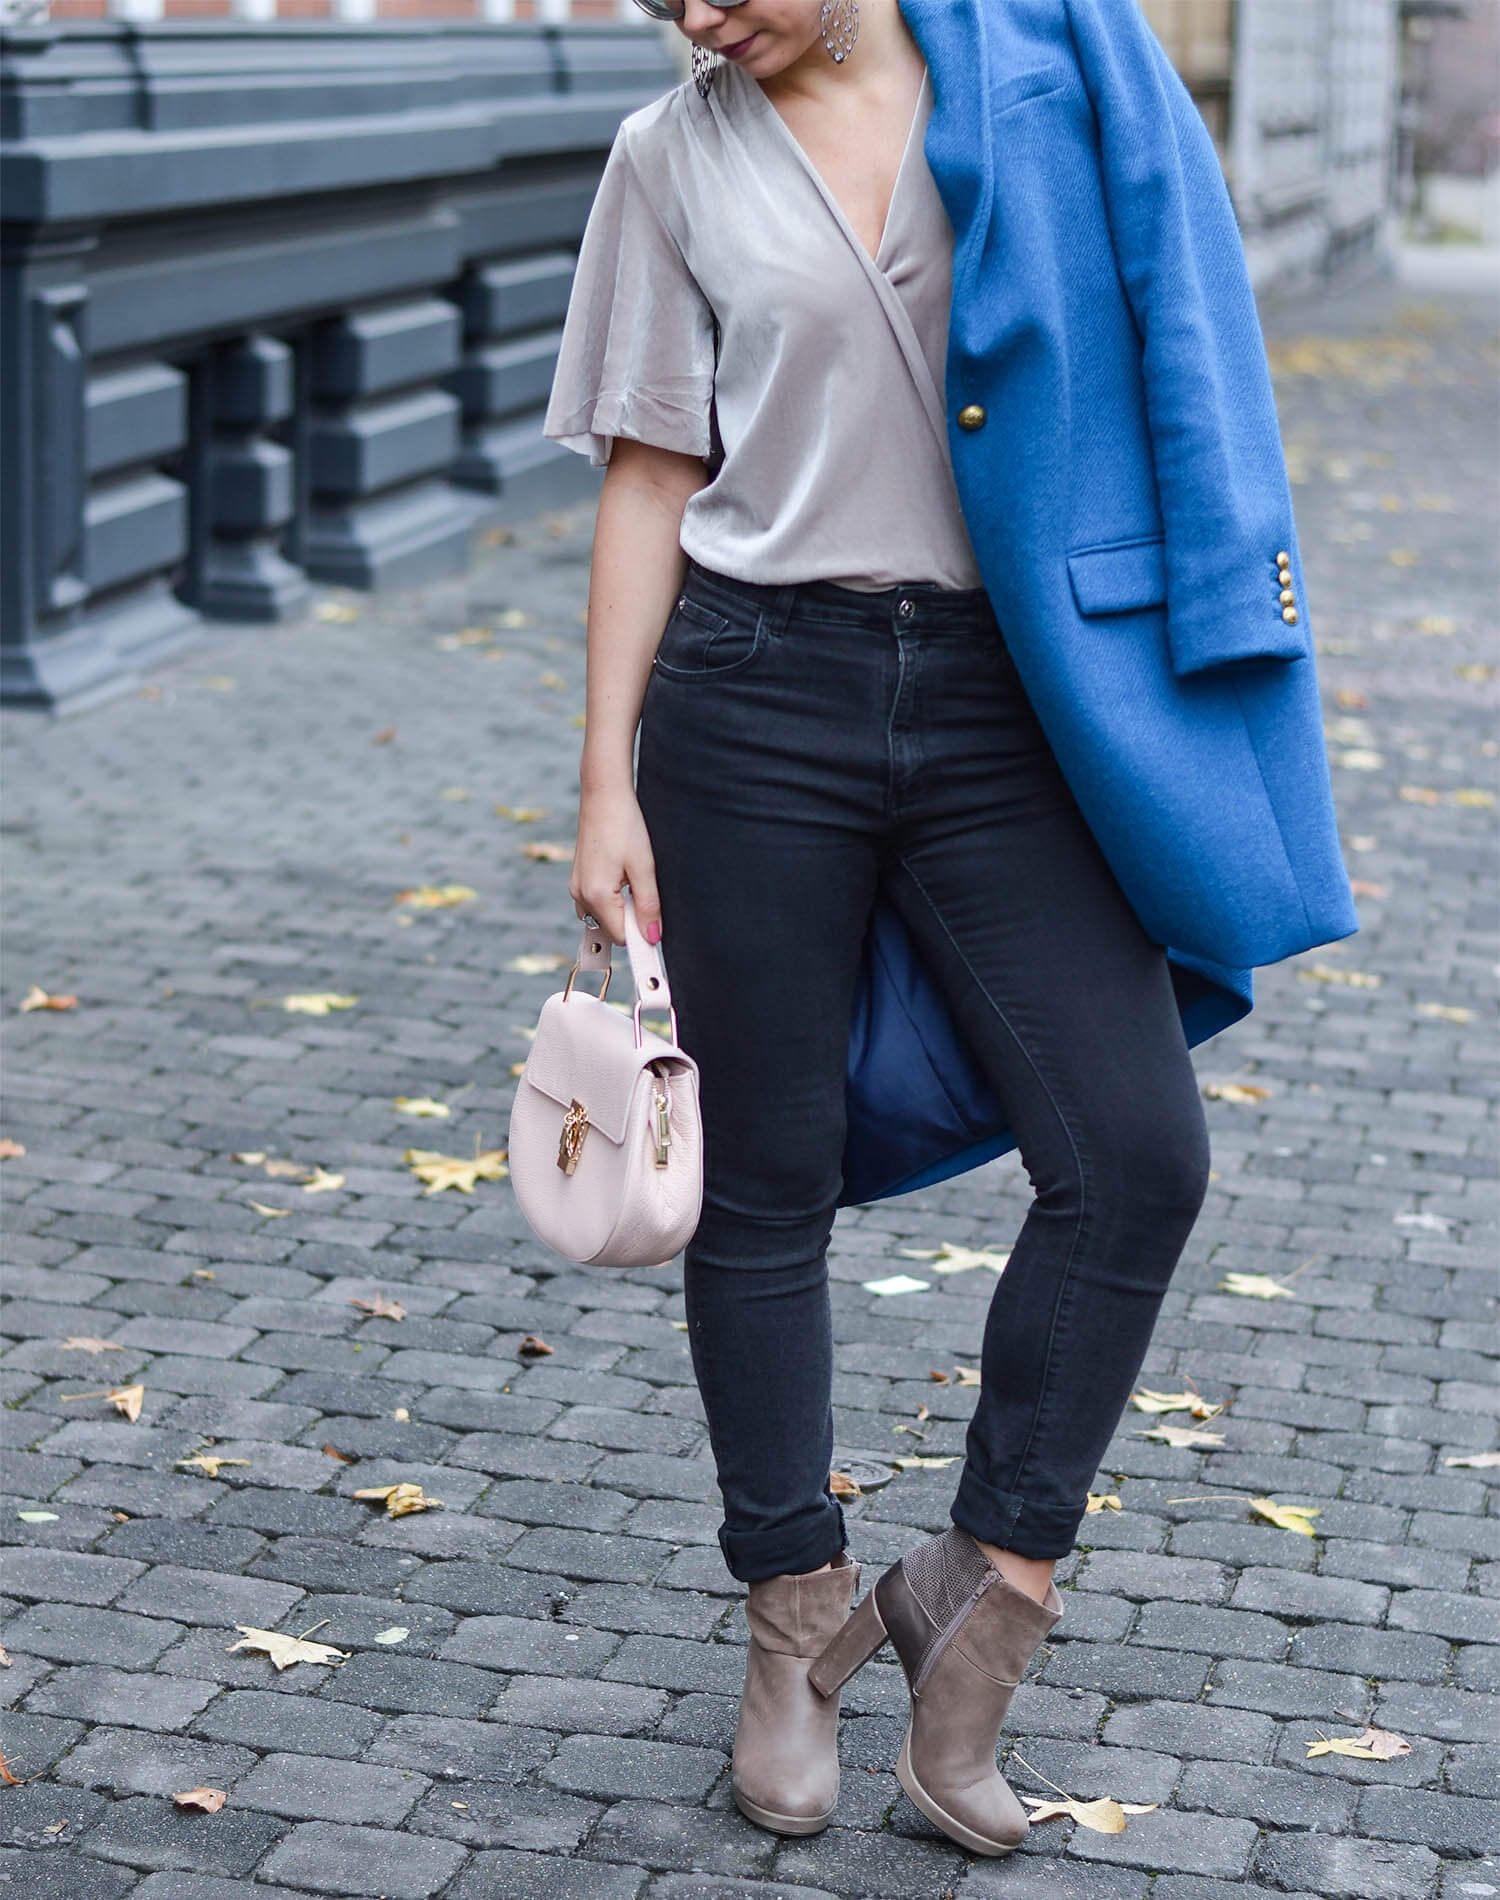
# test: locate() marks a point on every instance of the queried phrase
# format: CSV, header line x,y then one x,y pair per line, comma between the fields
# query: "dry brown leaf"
x,y
534,1346
441,1171
968,1375
401,1415
7,1779
10,1149
1371,1744
1363,887
317,1002
210,1800
126,1399
843,1486
1184,1437
1236,1092
543,852
401,1500
384,736
381,1308
1419,795
4,1657
436,896
924,1411
270,1213
938,1378
85,1342
56,1827
1102,1501
1103,1816
208,1462
1148,1401
343,1457
285,1650
1288,1517
37,998
1476,1460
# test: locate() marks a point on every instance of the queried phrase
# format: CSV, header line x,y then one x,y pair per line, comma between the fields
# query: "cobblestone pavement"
x,y
542,1676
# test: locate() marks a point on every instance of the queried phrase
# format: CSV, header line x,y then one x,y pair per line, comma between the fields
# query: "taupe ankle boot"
x,y
786,1760
964,1634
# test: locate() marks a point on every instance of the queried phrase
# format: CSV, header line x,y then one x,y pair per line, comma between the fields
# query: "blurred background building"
x,y
282,280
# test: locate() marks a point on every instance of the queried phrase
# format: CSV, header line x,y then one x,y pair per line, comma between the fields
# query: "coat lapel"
x,y
958,39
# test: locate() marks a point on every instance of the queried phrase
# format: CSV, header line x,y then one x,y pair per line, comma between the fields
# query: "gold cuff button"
x,y
1289,614
1283,559
1288,598
971,416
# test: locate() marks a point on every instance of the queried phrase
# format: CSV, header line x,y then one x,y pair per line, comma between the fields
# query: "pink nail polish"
x,y
653,933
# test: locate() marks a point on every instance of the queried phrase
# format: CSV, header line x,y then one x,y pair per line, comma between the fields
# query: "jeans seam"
x,y
1083,1186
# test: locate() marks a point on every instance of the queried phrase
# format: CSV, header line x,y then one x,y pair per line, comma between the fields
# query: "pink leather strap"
x,y
646,966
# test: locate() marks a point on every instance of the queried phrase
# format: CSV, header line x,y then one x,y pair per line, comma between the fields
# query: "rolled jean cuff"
x,y
806,1542
1028,1526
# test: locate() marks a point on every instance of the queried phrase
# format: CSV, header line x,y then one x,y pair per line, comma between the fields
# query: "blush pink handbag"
x,y
606,1141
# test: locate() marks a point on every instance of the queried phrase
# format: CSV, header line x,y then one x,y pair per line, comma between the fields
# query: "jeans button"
x,y
681,602
906,607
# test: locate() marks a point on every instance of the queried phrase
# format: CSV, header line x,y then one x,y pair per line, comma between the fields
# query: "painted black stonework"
x,y
278,304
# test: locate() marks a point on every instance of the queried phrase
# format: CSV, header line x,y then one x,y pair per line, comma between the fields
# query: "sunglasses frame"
x,y
664,10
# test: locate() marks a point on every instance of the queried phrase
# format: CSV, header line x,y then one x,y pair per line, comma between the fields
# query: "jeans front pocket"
x,y
700,643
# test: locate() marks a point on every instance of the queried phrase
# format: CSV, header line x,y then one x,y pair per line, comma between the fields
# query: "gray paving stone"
x,y
844,1861
69,1633
129,1698
593,1707
457,1749
149,1833
1175,1842
60,1576
662,1835
326,1858
520,1876
41,1873
125,1761
611,1767
194,1596
487,1814
1347,1869
521,1643
304,1788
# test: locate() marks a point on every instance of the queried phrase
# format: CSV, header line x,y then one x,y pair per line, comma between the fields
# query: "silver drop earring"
x,y
839,20
705,65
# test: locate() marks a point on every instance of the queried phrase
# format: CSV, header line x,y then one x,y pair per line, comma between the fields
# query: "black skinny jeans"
x,y
801,747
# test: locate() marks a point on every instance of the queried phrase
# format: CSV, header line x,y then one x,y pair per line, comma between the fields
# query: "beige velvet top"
x,y
831,363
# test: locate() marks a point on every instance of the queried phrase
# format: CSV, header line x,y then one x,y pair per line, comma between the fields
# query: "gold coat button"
x,y
1283,559
971,416
1289,614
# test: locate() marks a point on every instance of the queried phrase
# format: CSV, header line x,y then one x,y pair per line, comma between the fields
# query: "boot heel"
x,y
850,1649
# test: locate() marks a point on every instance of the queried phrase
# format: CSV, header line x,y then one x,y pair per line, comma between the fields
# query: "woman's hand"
x,y
614,849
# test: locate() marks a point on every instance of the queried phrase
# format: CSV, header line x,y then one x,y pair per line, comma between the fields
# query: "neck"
x,y
884,55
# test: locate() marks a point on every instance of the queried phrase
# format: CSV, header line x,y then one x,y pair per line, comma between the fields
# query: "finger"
x,y
647,900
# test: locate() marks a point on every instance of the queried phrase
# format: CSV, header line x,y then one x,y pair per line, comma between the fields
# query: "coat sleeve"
x,y
1221,473
637,353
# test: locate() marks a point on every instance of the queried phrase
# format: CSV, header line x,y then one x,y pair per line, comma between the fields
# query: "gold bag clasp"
x,y
575,1127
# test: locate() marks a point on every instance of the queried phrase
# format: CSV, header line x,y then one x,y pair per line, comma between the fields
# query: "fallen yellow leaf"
x,y
9,1149
317,1002
1239,1092
1102,1501
843,1486
967,1375
538,962
37,998
250,1158
322,1183
1148,1401
279,1170
286,1650
441,1171
85,1342
1289,1517
1446,1012
915,1463
421,1105
947,1257
1184,1437
521,814
436,896
1472,795
208,1462
401,1500
127,1400
271,1213
1419,795
1351,979
1371,1744
543,853
554,682
339,610
1103,1816
1476,1460
1256,1286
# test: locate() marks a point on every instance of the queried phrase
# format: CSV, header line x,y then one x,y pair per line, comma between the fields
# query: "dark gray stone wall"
x,y
278,303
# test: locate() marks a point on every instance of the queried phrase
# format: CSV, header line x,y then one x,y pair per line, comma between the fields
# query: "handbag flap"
x,y
585,1051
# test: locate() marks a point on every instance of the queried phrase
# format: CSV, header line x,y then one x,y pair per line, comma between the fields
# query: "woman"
x,y
830,717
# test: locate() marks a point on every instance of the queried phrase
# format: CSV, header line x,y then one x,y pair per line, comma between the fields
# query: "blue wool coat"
x,y
1119,464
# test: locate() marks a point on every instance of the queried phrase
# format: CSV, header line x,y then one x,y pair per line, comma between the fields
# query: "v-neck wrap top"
x,y
829,380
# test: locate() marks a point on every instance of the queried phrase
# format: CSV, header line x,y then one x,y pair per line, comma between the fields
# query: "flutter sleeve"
x,y
637,351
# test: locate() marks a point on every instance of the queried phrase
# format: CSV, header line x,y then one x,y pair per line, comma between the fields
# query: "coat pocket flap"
x,y
585,1051
1117,576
